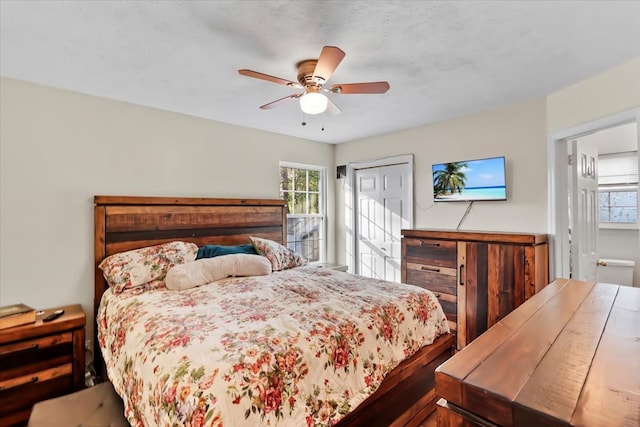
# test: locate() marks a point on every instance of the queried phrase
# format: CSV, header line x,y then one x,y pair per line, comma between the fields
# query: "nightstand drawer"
x,y
29,356
35,377
21,393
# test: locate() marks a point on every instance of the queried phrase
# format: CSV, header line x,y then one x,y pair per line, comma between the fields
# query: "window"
x,y
618,189
618,205
303,188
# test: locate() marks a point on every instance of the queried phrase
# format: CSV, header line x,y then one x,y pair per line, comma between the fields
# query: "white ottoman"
x,y
97,406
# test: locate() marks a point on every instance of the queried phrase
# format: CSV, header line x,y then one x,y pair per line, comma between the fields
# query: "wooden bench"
x,y
569,356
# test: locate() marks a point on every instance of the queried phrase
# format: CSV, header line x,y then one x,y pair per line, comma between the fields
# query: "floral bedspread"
x,y
298,347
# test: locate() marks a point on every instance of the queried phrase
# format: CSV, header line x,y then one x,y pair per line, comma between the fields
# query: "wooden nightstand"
x,y
40,361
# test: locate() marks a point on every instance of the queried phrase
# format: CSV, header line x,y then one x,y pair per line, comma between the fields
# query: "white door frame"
x,y
557,155
352,203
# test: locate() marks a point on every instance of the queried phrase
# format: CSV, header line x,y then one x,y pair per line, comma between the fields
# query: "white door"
x,y
383,204
584,210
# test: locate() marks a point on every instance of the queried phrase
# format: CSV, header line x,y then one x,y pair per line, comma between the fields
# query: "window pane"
x,y
303,236
288,197
624,215
603,198
301,179
316,224
286,178
603,215
623,198
300,205
314,203
314,180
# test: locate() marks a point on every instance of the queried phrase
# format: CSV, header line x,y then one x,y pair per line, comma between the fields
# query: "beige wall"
x,y
607,93
517,132
58,149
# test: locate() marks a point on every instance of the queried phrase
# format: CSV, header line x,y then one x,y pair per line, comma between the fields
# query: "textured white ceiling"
x,y
443,59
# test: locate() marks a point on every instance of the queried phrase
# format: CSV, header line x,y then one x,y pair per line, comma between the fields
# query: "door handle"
x,y
461,274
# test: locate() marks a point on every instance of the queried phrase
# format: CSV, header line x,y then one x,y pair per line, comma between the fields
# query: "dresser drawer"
x,y
441,253
434,278
442,282
449,305
30,356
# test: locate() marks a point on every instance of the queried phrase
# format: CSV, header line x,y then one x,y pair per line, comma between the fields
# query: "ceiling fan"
x,y
312,77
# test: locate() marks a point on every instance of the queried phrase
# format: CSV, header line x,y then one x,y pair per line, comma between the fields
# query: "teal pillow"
x,y
210,251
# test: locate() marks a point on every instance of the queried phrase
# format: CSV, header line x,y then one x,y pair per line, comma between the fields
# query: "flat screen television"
x,y
469,180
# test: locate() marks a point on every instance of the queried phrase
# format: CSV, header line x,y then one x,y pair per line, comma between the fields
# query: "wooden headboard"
x,y
123,223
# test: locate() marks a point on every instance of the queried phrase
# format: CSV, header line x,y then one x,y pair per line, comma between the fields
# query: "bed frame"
x,y
405,398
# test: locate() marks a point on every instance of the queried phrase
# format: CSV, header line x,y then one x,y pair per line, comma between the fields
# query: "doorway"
x,y
563,233
381,194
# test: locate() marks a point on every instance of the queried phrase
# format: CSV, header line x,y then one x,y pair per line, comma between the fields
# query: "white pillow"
x,y
207,270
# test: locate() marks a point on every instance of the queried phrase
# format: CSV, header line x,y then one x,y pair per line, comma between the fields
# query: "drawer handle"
x,y
437,270
29,381
429,244
32,347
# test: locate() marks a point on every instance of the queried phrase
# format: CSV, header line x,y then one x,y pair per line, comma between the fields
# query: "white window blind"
x,y
618,168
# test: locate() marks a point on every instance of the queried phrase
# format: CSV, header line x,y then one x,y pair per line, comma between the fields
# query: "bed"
x,y
266,382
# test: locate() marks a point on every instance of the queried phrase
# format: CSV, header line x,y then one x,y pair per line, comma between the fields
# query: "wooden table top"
x,y
570,355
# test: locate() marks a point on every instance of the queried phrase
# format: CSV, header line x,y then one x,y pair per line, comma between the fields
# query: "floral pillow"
x,y
138,267
278,255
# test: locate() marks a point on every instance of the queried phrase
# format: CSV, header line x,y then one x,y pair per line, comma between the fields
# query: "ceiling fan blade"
x,y
279,101
267,77
372,87
330,58
332,108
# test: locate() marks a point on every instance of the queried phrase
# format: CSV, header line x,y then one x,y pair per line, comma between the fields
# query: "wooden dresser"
x,y
570,356
39,361
478,277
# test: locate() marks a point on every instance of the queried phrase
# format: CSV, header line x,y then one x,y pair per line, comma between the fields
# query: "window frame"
x,y
322,202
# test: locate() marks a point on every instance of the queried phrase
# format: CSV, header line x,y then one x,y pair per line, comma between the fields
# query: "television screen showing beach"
x,y
482,179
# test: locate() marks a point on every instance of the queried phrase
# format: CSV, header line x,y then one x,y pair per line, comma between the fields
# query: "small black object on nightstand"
x,y
53,316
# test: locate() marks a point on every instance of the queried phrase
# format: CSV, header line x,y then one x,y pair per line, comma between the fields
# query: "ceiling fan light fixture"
x,y
313,103
313,75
